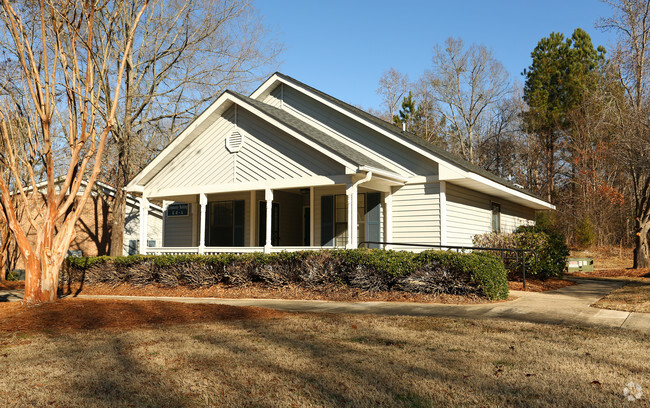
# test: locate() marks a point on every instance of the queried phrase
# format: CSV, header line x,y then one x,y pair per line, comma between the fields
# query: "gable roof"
x,y
316,135
448,156
287,122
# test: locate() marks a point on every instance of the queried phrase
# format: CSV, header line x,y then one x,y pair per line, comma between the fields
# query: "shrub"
x,y
432,272
550,247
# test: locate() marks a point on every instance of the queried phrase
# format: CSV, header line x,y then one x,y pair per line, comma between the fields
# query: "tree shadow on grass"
x,y
238,358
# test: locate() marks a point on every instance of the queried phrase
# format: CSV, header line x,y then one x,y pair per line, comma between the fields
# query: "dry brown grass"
x,y
606,257
308,360
633,297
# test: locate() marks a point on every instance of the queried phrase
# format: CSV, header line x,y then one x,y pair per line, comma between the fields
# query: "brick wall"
x,y
93,231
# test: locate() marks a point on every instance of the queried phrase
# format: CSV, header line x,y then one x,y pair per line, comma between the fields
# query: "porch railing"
x,y
227,250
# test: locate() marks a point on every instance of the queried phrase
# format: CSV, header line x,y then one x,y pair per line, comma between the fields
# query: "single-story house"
x,y
93,230
290,167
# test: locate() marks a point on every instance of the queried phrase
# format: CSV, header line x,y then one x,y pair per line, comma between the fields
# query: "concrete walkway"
x,y
11,295
569,306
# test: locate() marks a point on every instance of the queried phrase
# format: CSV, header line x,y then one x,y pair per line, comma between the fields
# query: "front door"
x,y
275,224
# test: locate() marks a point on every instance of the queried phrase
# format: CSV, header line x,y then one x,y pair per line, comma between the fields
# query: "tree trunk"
x,y
41,280
641,245
123,137
118,207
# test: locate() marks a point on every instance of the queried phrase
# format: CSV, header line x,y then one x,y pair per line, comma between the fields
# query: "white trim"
x,y
203,202
302,182
268,196
312,229
443,212
511,191
351,198
452,168
384,174
388,218
144,212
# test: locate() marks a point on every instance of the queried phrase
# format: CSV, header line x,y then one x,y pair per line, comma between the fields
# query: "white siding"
x,y
513,215
396,156
416,214
267,154
178,231
132,226
469,213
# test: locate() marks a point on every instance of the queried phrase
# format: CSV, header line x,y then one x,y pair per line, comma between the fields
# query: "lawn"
x,y
90,353
633,297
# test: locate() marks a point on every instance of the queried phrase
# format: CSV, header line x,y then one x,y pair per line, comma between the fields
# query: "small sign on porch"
x,y
178,210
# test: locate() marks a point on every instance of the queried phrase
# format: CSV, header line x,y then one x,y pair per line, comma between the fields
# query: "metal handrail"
x,y
502,251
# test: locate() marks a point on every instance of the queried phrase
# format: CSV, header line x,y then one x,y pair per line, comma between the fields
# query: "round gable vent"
x,y
234,142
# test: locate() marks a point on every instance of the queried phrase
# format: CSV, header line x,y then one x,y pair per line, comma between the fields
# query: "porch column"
x,y
351,193
443,213
268,196
312,209
144,215
388,218
203,202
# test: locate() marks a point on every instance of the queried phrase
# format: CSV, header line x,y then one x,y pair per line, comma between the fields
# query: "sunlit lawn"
x,y
325,360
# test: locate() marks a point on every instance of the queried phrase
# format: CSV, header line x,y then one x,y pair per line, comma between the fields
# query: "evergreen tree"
x,y
405,115
562,71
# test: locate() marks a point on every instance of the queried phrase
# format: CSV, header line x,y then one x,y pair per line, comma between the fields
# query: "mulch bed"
x,y
12,285
256,291
537,285
89,314
614,273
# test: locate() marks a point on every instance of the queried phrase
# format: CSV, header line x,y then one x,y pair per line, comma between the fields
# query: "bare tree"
x,y
56,46
631,22
466,83
186,53
393,86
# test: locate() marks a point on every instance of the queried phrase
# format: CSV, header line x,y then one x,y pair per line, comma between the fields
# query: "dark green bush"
x,y
367,269
550,247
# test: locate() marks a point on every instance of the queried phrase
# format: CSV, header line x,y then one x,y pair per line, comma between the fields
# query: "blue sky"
x,y
343,47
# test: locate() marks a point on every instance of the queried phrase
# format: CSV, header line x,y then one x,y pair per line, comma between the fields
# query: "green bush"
x,y
550,247
367,269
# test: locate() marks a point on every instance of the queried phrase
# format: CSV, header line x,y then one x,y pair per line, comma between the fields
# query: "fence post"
x,y
523,257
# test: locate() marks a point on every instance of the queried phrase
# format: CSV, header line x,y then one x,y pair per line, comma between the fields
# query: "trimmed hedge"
x,y
431,272
551,248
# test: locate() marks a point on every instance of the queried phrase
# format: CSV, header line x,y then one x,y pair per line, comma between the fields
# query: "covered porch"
x,y
336,214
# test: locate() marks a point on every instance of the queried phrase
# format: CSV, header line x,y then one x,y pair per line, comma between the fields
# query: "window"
x,y
496,217
225,224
